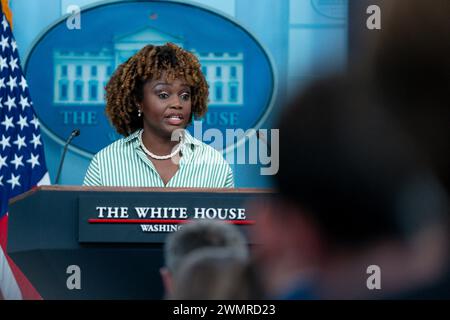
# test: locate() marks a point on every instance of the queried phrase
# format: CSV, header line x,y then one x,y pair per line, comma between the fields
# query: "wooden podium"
x,y
114,235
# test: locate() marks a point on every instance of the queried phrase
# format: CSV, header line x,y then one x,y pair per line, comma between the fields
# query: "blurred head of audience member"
x,y
410,70
198,235
216,274
354,192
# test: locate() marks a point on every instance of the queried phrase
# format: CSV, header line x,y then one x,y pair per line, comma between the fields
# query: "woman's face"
x,y
166,106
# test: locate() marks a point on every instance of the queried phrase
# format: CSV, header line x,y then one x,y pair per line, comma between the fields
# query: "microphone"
x,y
75,133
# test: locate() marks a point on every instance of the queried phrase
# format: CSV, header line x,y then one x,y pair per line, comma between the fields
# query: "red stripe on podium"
x,y
161,221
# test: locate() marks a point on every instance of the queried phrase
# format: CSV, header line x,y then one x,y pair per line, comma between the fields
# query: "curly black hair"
x,y
125,89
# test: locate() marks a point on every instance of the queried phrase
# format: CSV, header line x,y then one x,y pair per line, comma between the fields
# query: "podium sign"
x,y
148,217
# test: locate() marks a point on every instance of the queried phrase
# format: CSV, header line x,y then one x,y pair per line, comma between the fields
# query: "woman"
x,y
151,99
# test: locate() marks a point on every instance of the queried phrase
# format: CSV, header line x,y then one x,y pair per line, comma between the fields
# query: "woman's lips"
x,y
174,120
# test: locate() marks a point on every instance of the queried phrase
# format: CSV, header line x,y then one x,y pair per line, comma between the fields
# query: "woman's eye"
x,y
185,96
163,95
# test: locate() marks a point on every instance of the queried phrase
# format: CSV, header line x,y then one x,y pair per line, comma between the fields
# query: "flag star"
x,y
3,162
8,123
5,142
1,179
34,160
20,142
36,141
3,63
11,103
22,122
23,83
5,23
35,122
2,83
17,162
14,181
12,83
14,45
13,64
4,43
24,102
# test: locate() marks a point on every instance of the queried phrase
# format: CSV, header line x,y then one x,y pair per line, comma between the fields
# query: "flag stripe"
x,y
8,286
9,289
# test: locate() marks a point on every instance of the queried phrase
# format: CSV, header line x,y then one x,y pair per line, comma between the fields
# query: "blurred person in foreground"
x,y
216,274
199,235
354,191
409,71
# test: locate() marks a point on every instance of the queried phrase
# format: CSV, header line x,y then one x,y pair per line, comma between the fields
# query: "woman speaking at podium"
x,y
151,99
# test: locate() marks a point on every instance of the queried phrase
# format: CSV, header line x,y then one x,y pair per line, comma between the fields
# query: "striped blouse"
x,y
124,163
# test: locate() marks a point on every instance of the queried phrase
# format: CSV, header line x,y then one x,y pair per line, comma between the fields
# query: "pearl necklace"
x,y
154,156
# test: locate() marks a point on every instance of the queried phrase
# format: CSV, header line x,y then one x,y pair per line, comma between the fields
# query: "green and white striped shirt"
x,y
124,163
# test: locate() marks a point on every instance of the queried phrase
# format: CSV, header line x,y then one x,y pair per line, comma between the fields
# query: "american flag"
x,y
22,162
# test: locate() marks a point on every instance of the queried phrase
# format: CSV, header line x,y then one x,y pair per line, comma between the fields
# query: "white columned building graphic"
x,y
80,77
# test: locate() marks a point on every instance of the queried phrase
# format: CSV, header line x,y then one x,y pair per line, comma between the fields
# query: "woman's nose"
x,y
176,103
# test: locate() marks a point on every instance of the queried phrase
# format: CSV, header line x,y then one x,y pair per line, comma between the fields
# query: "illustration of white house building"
x,y
80,77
